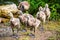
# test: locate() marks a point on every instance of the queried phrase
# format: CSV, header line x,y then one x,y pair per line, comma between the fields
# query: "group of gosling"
x,y
42,15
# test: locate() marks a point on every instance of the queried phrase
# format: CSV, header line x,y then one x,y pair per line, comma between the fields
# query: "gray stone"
x,y
6,31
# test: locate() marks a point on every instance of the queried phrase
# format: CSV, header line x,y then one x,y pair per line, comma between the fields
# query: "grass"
x,y
52,25
55,27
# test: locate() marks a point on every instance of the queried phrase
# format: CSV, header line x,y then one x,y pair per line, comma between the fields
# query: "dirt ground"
x,y
39,35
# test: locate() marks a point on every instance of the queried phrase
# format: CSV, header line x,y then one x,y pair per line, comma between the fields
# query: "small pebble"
x,y
24,30
15,36
31,35
41,28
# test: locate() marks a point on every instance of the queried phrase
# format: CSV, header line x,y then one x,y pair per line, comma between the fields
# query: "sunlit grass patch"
x,y
55,36
55,28
51,25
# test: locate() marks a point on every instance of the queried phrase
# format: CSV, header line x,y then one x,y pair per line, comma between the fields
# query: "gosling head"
x,y
40,8
46,5
23,6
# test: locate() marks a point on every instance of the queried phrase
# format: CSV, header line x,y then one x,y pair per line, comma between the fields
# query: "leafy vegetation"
x,y
53,5
34,5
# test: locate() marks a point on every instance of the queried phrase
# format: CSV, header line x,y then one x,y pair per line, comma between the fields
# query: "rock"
x,y
42,28
24,30
5,31
6,9
32,35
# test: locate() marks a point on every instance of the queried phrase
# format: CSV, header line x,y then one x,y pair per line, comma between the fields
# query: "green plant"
x,y
53,5
34,5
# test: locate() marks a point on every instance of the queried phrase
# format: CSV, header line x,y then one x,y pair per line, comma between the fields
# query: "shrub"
x,y
34,5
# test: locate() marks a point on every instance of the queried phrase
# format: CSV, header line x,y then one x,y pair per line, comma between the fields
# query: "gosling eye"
x,y
22,8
